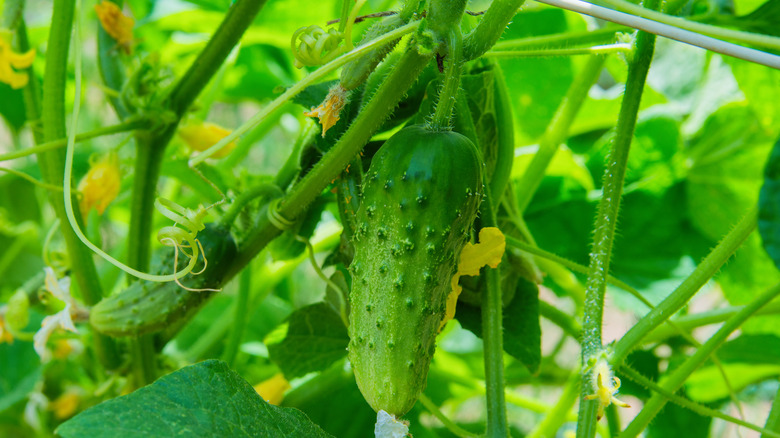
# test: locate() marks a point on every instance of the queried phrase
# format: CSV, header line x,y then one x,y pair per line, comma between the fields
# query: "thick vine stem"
x,y
675,380
52,165
490,28
492,329
606,222
442,116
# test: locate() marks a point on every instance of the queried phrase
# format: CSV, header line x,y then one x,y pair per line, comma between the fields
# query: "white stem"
x,y
668,31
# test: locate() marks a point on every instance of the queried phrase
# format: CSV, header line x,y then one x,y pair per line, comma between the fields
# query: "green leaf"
x,y
769,206
759,85
315,338
706,384
522,333
205,399
20,370
673,420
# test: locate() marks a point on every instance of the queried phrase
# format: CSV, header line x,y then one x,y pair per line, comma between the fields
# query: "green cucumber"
x,y
146,307
420,199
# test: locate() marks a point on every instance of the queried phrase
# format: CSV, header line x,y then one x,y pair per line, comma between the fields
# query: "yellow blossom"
x,y
5,335
606,386
272,390
488,252
116,24
66,404
9,60
202,136
100,185
329,110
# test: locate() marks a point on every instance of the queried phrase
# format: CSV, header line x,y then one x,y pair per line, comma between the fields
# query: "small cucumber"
x,y
146,307
420,199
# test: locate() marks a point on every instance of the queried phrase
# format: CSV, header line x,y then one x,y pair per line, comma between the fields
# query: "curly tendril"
x,y
313,45
183,239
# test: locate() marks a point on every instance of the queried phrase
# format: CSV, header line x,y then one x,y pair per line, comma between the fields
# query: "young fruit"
x,y
146,307
420,198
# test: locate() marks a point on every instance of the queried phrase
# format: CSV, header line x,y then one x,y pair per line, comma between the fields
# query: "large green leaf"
x,y
205,399
12,109
313,338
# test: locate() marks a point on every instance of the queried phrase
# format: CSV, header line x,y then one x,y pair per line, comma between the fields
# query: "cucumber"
x,y
420,199
146,307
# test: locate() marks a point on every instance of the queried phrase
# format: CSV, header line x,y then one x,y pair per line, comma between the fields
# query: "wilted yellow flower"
x,y
488,251
202,136
66,404
272,390
329,110
100,185
606,386
116,24
9,60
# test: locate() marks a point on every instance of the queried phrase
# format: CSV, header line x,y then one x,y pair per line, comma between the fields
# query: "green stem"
x,y
490,28
560,318
773,420
61,143
240,315
442,116
607,49
230,31
680,296
565,39
492,334
688,404
675,380
32,92
52,165
557,131
606,222
452,427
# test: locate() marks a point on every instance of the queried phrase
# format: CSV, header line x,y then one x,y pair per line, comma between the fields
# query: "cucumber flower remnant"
x,y
100,185
116,24
9,60
60,289
202,136
488,251
606,386
330,109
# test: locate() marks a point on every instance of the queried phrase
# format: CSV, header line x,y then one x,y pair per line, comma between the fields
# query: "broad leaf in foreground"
x,y
205,399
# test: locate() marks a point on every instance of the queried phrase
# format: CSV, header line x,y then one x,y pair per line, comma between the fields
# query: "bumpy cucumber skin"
x,y
147,307
420,199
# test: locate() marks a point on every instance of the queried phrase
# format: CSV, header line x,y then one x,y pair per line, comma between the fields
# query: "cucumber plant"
x,y
365,145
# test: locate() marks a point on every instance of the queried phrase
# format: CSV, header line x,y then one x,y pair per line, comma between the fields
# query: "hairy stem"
x,y
606,222
490,28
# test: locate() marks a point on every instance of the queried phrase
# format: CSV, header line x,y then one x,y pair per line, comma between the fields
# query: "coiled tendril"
x,y
313,46
183,238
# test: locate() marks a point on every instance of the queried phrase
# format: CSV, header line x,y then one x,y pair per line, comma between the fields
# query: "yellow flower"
x,y
100,185
606,386
202,136
272,390
66,404
9,60
488,252
59,289
116,24
5,335
329,110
